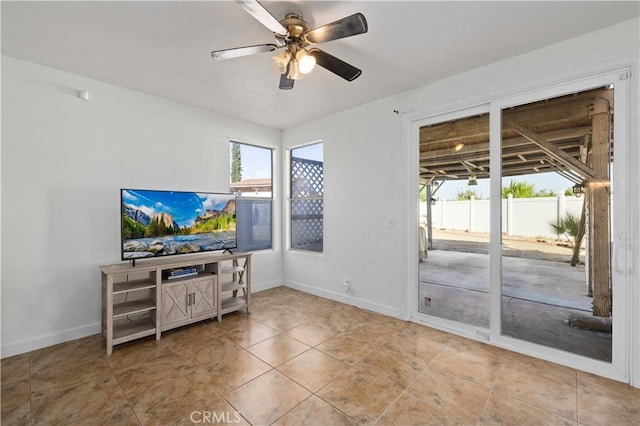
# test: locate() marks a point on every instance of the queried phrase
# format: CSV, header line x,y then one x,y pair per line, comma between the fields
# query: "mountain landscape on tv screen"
x,y
160,223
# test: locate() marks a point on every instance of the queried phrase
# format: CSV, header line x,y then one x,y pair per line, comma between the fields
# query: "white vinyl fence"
x,y
529,217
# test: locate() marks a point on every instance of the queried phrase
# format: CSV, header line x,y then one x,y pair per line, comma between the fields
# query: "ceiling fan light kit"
x,y
306,62
295,36
294,70
281,61
299,64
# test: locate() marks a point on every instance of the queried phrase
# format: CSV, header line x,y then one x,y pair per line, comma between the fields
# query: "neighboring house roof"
x,y
262,183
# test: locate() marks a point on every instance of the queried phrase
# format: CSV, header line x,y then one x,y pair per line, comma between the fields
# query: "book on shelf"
x,y
181,275
180,272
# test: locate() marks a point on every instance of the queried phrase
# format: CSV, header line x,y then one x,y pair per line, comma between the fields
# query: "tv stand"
x,y
144,300
227,250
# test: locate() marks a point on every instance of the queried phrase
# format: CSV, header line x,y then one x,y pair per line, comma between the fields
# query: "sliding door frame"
x,y
625,297
481,333
618,368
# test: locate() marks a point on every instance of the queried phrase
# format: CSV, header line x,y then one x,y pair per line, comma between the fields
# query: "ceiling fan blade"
x,y
236,52
285,82
255,9
345,27
335,65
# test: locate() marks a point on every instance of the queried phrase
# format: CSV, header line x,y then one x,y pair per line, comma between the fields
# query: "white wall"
x,y
364,161
63,162
361,195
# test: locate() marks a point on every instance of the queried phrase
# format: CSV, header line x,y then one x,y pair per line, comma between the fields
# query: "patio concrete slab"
x,y
538,296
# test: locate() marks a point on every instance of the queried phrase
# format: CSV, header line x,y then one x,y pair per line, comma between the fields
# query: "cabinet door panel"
x,y
204,298
174,304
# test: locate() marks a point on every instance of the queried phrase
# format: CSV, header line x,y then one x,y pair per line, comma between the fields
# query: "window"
x,y
251,180
307,188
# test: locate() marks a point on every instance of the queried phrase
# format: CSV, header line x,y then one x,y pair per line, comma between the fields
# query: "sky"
x,y
183,206
256,161
309,152
550,181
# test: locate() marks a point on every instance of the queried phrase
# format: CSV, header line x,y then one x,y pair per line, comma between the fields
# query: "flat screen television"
x,y
165,223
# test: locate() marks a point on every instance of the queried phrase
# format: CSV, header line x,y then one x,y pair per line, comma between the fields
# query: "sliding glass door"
x,y
523,222
454,219
557,163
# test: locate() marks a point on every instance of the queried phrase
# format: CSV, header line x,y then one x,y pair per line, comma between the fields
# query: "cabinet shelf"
x,y
235,275
127,286
232,285
187,277
232,304
130,330
133,307
232,269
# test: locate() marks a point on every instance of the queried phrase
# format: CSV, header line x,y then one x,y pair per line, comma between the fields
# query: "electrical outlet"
x,y
347,285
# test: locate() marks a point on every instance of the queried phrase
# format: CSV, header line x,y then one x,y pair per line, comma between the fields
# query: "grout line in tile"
x,y
491,385
484,406
334,407
30,391
404,391
298,404
259,375
577,400
115,376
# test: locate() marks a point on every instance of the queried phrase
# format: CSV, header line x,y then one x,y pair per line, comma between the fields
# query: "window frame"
x,y
243,198
292,199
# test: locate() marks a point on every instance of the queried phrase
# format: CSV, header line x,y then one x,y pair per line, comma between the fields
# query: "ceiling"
x,y
163,48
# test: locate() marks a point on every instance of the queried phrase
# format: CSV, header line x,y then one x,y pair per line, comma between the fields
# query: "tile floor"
x,y
302,360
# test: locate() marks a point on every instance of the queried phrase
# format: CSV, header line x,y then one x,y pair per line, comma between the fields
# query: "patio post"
x,y
599,216
510,214
472,211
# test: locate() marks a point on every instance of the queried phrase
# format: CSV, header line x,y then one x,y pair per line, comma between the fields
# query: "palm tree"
x,y
518,189
570,226
466,194
567,226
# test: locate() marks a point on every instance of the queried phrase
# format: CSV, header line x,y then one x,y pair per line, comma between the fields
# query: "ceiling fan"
x,y
298,39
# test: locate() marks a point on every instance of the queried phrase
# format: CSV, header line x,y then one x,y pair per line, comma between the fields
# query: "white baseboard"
x,y
7,350
11,349
49,340
349,300
256,288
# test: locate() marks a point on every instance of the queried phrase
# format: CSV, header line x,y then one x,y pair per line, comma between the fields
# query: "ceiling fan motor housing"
x,y
296,27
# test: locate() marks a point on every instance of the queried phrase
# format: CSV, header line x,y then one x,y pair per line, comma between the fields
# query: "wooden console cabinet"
x,y
188,300
140,301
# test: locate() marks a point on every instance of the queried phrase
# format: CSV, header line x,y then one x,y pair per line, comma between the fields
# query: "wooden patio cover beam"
x,y
554,152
